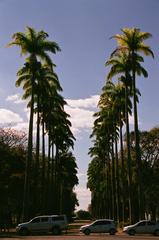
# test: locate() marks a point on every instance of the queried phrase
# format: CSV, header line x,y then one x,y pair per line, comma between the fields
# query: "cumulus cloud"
x,y
21,126
7,116
83,192
84,103
81,112
84,196
16,98
80,118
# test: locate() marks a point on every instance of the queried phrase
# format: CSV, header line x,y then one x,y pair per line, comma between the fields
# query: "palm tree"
x,y
109,102
106,134
36,45
132,40
47,87
60,138
120,65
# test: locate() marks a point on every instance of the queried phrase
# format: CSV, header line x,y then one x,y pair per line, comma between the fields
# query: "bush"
x,y
83,215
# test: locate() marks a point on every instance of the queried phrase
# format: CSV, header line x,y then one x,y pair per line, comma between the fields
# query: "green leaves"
x,y
41,87
119,97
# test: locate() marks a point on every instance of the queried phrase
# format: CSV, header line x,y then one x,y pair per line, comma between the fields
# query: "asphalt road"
x,y
83,237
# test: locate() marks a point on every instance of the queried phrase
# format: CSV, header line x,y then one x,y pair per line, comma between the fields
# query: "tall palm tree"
x,y
47,85
60,138
109,102
132,39
120,65
105,132
35,45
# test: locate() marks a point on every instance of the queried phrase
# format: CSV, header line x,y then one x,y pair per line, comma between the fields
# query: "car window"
x,y
35,220
101,223
58,218
151,223
96,223
44,219
141,224
106,222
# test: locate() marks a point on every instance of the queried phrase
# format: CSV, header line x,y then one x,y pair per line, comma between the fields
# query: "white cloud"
x,y
84,103
131,120
7,116
80,118
84,197
80,110
23,126
83,192
81,115
16,98
80,175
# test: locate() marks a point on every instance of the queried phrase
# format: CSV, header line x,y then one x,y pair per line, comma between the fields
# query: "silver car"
x,y
100,226
144,226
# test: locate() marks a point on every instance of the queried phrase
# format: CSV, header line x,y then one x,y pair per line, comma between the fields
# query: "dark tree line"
x,y
102,181
52,199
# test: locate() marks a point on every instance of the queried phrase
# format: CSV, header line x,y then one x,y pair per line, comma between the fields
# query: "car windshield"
x,y
141,224
35,220
101,222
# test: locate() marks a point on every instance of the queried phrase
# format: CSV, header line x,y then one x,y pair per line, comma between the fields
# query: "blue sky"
x,y
83,29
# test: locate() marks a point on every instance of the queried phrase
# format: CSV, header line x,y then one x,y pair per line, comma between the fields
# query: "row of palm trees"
x,y
41,88
117,102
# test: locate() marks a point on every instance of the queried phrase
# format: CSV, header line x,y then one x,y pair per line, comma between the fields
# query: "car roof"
x,y
104,219
49,216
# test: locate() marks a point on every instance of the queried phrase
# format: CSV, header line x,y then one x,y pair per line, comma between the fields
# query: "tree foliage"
x,y
49,168
115,172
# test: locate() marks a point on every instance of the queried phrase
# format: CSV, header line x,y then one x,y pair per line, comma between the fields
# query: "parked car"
x,y
100,226
143,226
43,224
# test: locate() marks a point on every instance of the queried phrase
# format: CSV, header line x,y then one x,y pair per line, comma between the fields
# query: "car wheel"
x,y
131,232
112,231
56,231
87,231
24,232
156,233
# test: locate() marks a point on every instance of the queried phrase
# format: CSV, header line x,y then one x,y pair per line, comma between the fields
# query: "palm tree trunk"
x,y
129,161
36,173
113,184
26,200
137,145
43,167
109,190
117,180
123,175
48,175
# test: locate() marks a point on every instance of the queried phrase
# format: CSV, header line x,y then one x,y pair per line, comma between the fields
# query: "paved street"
x,y
83,237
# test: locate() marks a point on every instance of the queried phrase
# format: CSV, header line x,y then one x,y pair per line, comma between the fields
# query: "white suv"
x,y
100,226
43,224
